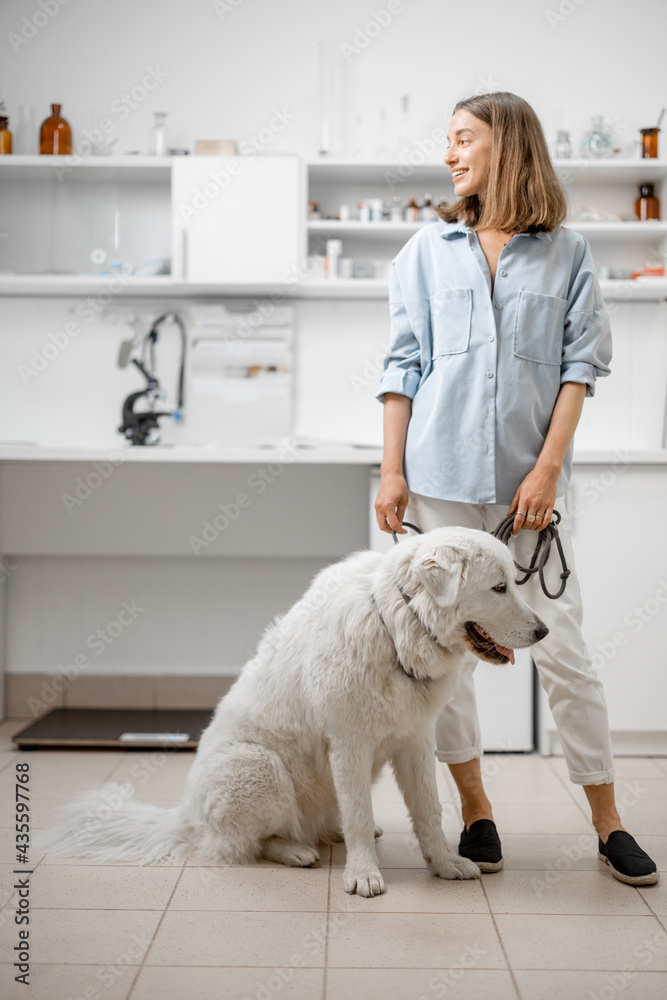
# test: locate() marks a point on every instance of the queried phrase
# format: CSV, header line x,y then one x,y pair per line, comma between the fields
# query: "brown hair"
x,y
523,192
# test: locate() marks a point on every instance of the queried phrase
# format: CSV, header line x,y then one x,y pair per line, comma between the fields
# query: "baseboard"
x,y
28,696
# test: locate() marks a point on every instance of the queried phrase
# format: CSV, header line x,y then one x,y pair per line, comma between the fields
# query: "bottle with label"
x,y
647,206
426,211
411,212
55,135
334,254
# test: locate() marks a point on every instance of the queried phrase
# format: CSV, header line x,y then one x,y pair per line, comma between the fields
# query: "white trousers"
x,y
575,693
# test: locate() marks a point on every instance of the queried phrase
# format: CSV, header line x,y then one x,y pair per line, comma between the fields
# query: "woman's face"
x,y
469,152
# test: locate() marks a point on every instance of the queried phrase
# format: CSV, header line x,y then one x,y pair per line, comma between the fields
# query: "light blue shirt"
x,y
483,370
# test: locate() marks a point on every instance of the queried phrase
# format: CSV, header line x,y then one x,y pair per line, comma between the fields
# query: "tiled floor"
x,y
553,925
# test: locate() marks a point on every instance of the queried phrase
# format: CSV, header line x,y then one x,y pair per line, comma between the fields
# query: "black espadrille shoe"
x,y
626,859
480,843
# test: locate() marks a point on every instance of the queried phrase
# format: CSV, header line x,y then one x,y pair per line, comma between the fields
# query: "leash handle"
x,y
406,524
503,532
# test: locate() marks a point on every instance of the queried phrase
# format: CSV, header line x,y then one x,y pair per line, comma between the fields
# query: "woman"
x,y
498,333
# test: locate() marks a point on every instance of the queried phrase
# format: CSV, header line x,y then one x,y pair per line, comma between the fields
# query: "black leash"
x,y
503,532
541,554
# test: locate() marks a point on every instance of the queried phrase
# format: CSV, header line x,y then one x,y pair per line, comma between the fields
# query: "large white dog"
x,y
352,676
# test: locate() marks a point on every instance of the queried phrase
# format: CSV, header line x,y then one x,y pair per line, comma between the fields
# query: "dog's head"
x,y
468,578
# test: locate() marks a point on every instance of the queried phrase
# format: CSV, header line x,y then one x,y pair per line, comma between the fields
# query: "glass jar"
x,y
157,137
647,206
597,142
563,145
649,142
5,136
55,135
26,131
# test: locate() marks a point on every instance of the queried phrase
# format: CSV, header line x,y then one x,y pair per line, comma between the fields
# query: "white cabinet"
x,y
619,535
236,219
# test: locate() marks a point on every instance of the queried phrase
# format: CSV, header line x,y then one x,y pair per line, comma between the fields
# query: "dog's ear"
x,y
443,571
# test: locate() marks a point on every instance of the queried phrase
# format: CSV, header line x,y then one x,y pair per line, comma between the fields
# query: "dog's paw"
x,y
378,831
454,866
366,884
301,857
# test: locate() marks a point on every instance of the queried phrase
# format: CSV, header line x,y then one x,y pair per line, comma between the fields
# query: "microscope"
x,y
141,426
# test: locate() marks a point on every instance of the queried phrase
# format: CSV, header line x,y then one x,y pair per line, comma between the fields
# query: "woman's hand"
x,y
536,495
391,501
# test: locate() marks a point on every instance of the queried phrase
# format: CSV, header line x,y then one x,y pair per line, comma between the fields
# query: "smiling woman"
x,y
503,175
483,388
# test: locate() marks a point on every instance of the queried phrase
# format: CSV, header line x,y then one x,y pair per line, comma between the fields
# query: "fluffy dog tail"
x,y
108,824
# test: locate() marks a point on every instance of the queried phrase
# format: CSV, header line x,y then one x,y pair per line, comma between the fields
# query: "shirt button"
x,y
489,374
491,339
504,274
498,305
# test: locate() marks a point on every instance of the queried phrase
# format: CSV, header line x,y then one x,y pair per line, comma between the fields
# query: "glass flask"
x,y
157,137
597,142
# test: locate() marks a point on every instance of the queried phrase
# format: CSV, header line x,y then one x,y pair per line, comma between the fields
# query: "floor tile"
x,y
561,892
412,940
100,936
156,771
551,852
628,985
524,779
539,817
203,983
411,890
579,942
394,850
459,983
656,896
187,937
252,888
53,982
103,887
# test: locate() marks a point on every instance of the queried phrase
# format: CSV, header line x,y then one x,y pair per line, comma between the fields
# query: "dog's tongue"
x,y
509,653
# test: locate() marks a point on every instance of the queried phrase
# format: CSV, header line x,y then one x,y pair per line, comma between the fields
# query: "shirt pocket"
x,y
451,314
538,328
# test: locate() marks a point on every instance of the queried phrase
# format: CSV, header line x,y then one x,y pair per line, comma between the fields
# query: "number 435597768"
x,y
22,811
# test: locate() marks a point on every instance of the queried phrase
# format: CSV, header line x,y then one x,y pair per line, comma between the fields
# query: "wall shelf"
x,y
78,285
90,168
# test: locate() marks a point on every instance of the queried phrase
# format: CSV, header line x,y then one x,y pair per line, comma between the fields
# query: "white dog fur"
x,y
290,754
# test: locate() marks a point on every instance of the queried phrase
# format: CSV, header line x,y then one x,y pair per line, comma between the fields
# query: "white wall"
x,y
226,71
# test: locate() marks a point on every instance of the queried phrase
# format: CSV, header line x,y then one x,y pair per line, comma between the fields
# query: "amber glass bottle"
x,y
647,206
55,135
5,136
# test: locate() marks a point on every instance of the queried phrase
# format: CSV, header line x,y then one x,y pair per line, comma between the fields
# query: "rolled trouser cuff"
x,y
459,756
593,777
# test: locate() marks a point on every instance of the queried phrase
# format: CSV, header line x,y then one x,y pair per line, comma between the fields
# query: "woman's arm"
x,y
392,497
537,493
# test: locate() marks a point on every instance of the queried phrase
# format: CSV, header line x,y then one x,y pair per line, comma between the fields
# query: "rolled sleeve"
x,y
587,346
402,364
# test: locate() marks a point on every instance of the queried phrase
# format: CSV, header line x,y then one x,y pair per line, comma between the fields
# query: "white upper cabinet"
x,y
237,219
